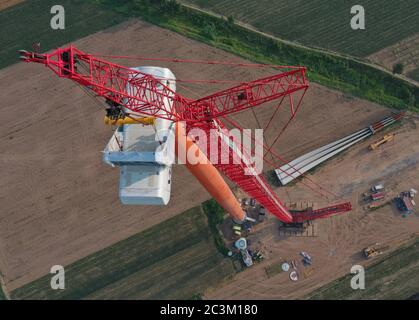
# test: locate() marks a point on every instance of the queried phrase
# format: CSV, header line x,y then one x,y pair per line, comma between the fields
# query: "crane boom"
x,y
253,184
145,94
148,95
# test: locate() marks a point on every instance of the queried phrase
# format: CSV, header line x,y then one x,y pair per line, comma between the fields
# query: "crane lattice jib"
x,y
322,212
145,94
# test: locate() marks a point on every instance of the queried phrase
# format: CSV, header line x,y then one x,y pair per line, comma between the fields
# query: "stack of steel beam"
x,y
304,163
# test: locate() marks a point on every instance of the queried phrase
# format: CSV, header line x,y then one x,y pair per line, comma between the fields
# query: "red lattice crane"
x,y
145,95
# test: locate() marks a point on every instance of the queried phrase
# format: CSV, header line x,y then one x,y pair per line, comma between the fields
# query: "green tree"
x,y
209,31
398,68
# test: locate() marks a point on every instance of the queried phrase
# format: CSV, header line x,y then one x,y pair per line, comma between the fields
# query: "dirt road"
x,y
4,4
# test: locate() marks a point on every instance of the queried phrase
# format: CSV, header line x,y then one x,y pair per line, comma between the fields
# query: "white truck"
x,y
377,188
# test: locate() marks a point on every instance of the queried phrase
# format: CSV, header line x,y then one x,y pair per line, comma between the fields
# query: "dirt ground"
x,y
60,202
405,51
340,239
8,3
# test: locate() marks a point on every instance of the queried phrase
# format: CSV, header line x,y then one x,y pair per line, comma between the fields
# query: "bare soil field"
x,y
60,202
405,51
8,3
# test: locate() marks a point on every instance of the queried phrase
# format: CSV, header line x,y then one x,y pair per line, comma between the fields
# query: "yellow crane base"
x,y
130,120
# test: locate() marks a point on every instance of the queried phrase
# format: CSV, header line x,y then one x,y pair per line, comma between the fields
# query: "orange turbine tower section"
x,y
207,174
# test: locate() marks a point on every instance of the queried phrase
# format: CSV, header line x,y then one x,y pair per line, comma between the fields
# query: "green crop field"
x,y
395,276
29,22
2,296
176,259
325,24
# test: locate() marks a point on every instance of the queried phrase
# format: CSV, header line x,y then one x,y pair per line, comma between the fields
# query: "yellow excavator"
x,y
386,138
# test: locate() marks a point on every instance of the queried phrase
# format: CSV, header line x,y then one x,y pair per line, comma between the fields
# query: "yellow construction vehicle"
x,y
374,250
386,138
129,120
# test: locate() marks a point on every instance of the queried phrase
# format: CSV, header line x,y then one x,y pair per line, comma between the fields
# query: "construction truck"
x,y
376,193
386,138
377,196
374,250
405,202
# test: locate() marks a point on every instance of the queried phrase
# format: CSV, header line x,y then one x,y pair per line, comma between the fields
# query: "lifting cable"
x,y
281,159
278,157
208,62
195,61
284,161
294,113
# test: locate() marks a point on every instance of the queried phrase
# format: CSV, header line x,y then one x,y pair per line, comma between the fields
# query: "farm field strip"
x,y
405,52
82,18
106,13
158,263
395,276
323,24
171,278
